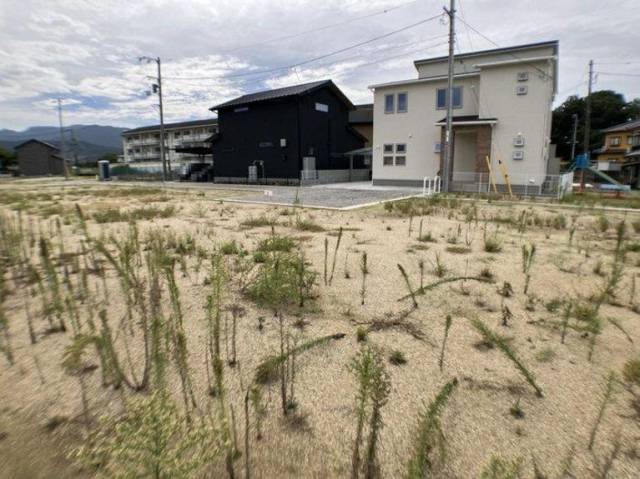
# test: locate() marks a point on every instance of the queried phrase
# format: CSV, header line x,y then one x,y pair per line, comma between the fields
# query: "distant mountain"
x,y
89,142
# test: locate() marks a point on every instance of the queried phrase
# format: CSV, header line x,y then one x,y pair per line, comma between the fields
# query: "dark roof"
x,y
181,124
361,114
34,140
295,90
630,125
515,48
466,118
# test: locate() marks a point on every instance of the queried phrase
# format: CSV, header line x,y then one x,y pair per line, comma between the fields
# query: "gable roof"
x,y
35,140
516,48
295,90
169,126
629,125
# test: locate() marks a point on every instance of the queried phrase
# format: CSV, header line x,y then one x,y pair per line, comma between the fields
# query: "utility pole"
x,y
587,124
574,140
448,139
157,88
62,146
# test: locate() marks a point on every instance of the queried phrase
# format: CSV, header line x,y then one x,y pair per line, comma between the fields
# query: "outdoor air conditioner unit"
x,y
518,141
523,76
518,155
437,147
521,90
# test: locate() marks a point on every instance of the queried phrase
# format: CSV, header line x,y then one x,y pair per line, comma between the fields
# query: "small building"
x,y
501,113
39,158
298,134
361,119
619,155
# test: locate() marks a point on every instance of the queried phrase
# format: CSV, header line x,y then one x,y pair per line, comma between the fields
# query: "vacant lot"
x,y
150,331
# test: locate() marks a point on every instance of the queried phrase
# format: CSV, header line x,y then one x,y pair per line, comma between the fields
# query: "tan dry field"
x,y
41,409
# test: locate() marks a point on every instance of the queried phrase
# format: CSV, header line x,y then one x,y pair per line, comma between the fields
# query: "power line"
x,y
320,57
619,74
322,28
540,70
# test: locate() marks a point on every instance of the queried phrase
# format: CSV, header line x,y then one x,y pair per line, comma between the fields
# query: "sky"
x,y
86,52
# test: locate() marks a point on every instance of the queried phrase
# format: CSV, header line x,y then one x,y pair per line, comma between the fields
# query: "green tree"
x,y
7,158
608,108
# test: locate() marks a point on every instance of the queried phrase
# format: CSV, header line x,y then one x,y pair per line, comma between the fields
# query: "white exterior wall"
x,y
529,115
489,91
416,127
145,146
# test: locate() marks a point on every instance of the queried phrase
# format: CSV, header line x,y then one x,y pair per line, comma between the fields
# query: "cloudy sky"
x,y
86,51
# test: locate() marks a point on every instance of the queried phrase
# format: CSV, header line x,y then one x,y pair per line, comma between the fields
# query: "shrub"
x,y
114,215
602,224
458,249
559,221
427,238
361,334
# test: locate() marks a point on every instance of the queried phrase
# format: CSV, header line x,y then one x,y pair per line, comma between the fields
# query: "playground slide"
x,y
608,179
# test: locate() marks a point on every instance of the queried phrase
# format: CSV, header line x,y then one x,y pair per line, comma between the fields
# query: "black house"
x,y
39,158
285,135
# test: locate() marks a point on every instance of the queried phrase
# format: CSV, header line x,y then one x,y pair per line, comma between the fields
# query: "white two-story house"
x,y
502,105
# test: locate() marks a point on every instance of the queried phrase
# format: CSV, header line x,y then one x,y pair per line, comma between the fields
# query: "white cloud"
x,y
85,51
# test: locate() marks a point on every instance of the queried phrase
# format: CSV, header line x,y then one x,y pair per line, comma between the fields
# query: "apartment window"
x,y
401,148
614,141
389,103
177,134
401,160
387,160
402,102
388,148
441,98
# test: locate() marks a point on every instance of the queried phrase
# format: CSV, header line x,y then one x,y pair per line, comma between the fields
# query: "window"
x,y
389,103
394,154
635,140
614,141
402,102
322,107
241,109
441,98
177,134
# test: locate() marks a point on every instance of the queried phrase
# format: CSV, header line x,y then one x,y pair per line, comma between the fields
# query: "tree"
x,y
7,158
608,108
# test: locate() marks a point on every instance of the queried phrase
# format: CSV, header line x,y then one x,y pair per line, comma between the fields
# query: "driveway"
x,y
335,195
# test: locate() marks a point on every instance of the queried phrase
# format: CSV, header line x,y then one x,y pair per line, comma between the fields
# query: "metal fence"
x,y
552,186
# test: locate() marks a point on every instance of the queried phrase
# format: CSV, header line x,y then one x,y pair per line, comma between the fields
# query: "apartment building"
x,y
502,105
183,141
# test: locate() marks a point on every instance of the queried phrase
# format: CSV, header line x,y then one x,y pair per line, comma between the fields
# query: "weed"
x,y
602,224
276,243
307,224
230,248
458,249
439,268
447,327
361,334
545,355
492,244
114,215
502,344
427,238
262,220
364,270
429,446
516,411
397,357
607,397
486,274
528,255
373,391
631,372
500,468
